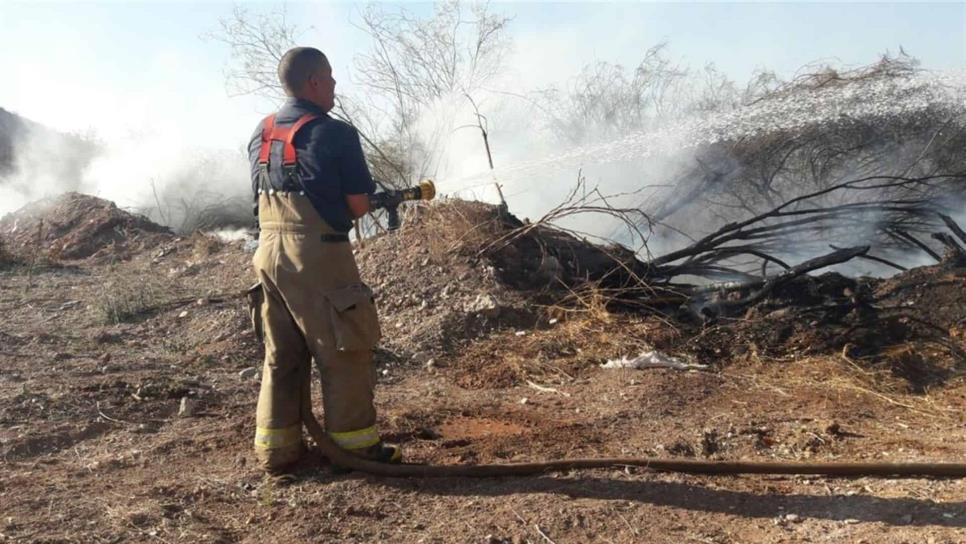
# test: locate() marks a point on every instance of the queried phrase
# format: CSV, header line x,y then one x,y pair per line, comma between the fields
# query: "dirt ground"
x,y
98,355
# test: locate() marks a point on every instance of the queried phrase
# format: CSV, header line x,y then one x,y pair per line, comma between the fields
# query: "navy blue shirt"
x,y
330,162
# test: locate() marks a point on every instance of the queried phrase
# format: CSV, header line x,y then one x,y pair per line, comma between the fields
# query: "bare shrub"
x,y
607,101
257,42
413,62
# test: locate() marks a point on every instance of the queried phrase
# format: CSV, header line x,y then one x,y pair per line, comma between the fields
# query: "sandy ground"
x,y
128,381
93,448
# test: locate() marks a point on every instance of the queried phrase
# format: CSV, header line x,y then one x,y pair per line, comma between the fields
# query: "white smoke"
x,y
646,167
169,141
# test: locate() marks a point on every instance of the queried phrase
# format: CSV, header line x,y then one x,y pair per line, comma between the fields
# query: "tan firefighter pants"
x,y
311,305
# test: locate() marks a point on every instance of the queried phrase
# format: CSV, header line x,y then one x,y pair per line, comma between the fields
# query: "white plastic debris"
x,y
652,359
187,407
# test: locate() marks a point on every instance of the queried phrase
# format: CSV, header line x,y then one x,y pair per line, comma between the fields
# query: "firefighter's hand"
x,y
358,205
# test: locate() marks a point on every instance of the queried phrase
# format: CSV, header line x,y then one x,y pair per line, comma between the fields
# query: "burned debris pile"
x,y
75,226
461,270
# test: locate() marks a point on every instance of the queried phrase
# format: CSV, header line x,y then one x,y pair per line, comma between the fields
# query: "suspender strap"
x,y
288,155
268,126
271,133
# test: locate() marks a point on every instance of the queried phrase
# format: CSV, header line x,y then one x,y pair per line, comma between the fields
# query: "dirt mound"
x,y
434,292
461,270
76,226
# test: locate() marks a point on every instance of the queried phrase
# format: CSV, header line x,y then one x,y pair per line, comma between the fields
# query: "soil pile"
x,y
463,282
75,226
434,291
459,270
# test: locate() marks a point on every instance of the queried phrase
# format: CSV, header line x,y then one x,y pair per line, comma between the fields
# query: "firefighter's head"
x,y
305,73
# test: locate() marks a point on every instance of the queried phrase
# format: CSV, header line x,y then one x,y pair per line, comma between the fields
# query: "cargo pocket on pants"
x,y
354,321
256,296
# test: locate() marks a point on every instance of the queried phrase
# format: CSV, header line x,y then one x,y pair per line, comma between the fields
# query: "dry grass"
x,y
559,354
457,226
130,295
6,258
829,378
204,245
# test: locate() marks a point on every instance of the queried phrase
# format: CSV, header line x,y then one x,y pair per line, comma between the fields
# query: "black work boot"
x,y
384,453
380,453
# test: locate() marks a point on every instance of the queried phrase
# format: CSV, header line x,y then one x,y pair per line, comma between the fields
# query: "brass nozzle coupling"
x,y
390,200
427,189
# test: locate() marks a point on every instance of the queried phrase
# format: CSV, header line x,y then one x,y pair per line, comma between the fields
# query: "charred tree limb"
x,y
951,245
726,252
836,257
714,272
953,226
736,230
877,259
916,242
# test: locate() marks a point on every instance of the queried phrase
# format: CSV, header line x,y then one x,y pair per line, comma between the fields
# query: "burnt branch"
x,y
953,226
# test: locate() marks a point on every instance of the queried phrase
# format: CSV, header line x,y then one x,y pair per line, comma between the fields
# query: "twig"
x,y
877,259
519,517
916,242
543,534
545,389
109,418
629,526
949,242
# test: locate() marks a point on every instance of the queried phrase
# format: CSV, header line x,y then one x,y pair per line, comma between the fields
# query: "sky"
x,y
126,68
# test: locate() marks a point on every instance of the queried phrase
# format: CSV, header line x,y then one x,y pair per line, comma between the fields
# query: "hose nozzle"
x,y
390,200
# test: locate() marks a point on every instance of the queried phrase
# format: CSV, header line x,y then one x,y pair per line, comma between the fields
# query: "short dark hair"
x,y
297,66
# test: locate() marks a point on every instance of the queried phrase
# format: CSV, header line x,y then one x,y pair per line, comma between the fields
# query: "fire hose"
x,y
343,458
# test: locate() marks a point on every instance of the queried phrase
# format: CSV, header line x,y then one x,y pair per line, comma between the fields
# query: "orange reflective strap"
x,y
273,133
268,126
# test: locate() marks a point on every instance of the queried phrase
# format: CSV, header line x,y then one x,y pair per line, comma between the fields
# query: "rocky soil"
x,y
128,379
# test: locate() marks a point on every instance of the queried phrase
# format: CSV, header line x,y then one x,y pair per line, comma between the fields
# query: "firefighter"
x,y
310,180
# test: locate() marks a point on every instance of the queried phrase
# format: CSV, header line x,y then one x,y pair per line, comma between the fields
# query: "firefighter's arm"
x,y
357,182
358,205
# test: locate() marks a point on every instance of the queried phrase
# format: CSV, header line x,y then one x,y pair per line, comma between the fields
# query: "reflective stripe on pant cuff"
x,y
271,439
354,440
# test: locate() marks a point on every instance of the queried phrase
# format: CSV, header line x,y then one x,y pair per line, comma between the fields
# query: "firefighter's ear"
x,y
317,80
